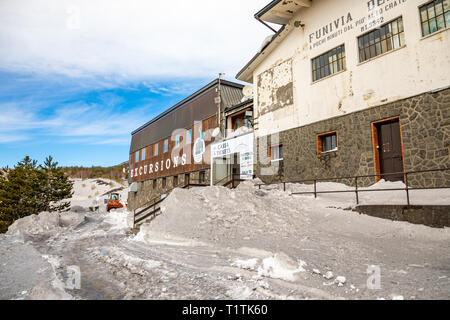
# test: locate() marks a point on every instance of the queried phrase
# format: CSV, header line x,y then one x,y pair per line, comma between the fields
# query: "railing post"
x,y
315,188
284,186
407,188
134,218
356,190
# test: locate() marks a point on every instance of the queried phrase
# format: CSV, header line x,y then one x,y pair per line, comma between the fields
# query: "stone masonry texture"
x,y
425,129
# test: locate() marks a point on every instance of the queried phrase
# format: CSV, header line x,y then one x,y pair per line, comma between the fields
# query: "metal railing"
x,y
357,190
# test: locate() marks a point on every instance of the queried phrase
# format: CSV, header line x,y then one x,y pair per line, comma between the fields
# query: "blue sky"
x,y
76,77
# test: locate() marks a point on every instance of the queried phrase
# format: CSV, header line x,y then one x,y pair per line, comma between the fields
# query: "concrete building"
x,y
353,87
173,149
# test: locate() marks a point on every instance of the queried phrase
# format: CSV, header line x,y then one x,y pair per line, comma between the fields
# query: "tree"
x,y
30,189
55,187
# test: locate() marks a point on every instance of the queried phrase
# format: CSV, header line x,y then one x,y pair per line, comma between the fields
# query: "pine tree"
x,y
18,191
55,187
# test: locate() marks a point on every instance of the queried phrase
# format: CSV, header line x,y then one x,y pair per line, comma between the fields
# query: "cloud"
x,y
129,39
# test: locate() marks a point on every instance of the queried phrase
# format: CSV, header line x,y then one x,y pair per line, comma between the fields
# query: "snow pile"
x,y
281,266
249,264
45,222
119,219
220,215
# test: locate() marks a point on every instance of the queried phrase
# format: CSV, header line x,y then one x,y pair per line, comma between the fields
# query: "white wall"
x,y
422,65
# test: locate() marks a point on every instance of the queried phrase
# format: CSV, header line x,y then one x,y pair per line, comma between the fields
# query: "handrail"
x,y
358,190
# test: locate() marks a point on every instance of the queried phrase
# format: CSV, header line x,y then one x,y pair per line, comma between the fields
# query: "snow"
x,y
217,243
281,266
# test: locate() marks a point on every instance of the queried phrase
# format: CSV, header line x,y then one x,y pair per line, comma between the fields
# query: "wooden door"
x,y
390,150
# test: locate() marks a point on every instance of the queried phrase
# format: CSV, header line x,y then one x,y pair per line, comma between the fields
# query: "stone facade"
x,y
146,191
425,130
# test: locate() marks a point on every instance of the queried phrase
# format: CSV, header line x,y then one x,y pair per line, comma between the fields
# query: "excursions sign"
x,y
373,18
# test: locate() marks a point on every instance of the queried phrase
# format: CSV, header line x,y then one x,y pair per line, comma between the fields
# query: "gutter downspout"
x,y
259,19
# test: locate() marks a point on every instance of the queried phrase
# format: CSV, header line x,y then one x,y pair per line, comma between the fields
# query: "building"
x,y
353,87
233,156
174,148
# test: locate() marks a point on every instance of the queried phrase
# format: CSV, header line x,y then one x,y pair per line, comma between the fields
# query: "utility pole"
x,y
219,103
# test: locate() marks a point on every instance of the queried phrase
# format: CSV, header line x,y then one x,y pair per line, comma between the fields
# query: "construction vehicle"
x,y
113,202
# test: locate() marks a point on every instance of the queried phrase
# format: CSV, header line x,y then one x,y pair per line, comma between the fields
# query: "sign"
x,y
242,145
199,150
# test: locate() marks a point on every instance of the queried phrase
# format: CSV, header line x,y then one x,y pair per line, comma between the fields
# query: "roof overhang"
x,y
246,74
281,11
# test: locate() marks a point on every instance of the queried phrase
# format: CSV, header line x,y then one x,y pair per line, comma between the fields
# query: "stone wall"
x,y
425,128
146,192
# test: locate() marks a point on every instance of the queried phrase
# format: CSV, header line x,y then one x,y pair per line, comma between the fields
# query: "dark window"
x,y
388,37
276,153
186,178
175,181
328,63
435,16
202,176
327,142
164,182
154,183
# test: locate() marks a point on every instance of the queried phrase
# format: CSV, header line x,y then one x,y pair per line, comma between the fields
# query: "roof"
x,y
229,97
239,105
197,107
278,12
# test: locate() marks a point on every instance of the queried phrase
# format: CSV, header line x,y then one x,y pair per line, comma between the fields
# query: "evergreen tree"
x,y
55,187
28,189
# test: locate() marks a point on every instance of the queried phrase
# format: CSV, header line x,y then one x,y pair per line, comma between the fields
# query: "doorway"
x,y
388,149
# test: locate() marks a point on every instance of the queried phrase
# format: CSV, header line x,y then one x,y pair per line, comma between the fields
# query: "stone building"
x,y
353,87
173,149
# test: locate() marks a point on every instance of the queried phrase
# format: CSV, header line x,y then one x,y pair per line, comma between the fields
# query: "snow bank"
x,y
45,222
281,266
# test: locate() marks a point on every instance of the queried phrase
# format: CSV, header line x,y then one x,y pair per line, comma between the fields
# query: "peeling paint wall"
x,y
286,96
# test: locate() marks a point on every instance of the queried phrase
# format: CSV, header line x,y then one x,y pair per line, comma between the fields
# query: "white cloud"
x,y
129,39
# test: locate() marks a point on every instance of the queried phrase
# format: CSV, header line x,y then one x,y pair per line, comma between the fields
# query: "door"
x,y
390,150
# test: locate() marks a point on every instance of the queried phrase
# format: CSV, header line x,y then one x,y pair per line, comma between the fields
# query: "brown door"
x,y
390,150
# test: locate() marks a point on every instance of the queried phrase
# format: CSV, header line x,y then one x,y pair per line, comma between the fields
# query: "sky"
x,y
77,77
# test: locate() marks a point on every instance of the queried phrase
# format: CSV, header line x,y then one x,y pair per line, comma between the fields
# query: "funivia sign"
x,y
346,22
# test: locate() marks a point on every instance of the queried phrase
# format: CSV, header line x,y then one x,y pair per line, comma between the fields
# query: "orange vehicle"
x,y
114,202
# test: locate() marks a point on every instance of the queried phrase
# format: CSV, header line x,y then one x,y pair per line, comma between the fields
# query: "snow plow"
x,y
113,202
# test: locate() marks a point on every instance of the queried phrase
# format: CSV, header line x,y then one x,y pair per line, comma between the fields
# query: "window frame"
x,y
189,134
137,157
446,25
320,138
156,149
143,154
339,61
374,45
166,146
280,145
177,140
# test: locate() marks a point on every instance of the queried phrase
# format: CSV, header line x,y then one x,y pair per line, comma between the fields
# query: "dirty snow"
x,y
216,243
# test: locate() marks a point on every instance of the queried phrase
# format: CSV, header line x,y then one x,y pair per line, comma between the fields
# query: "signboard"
x,y
242,145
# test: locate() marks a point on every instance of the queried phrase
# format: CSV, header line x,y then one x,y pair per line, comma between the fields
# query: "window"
x,y
327,142
388,37
137,156
177,141
276,153
435,16
143,154
156,151
189,136
175,181
164,182
186,178
154,184
202,176
166,145
328,63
